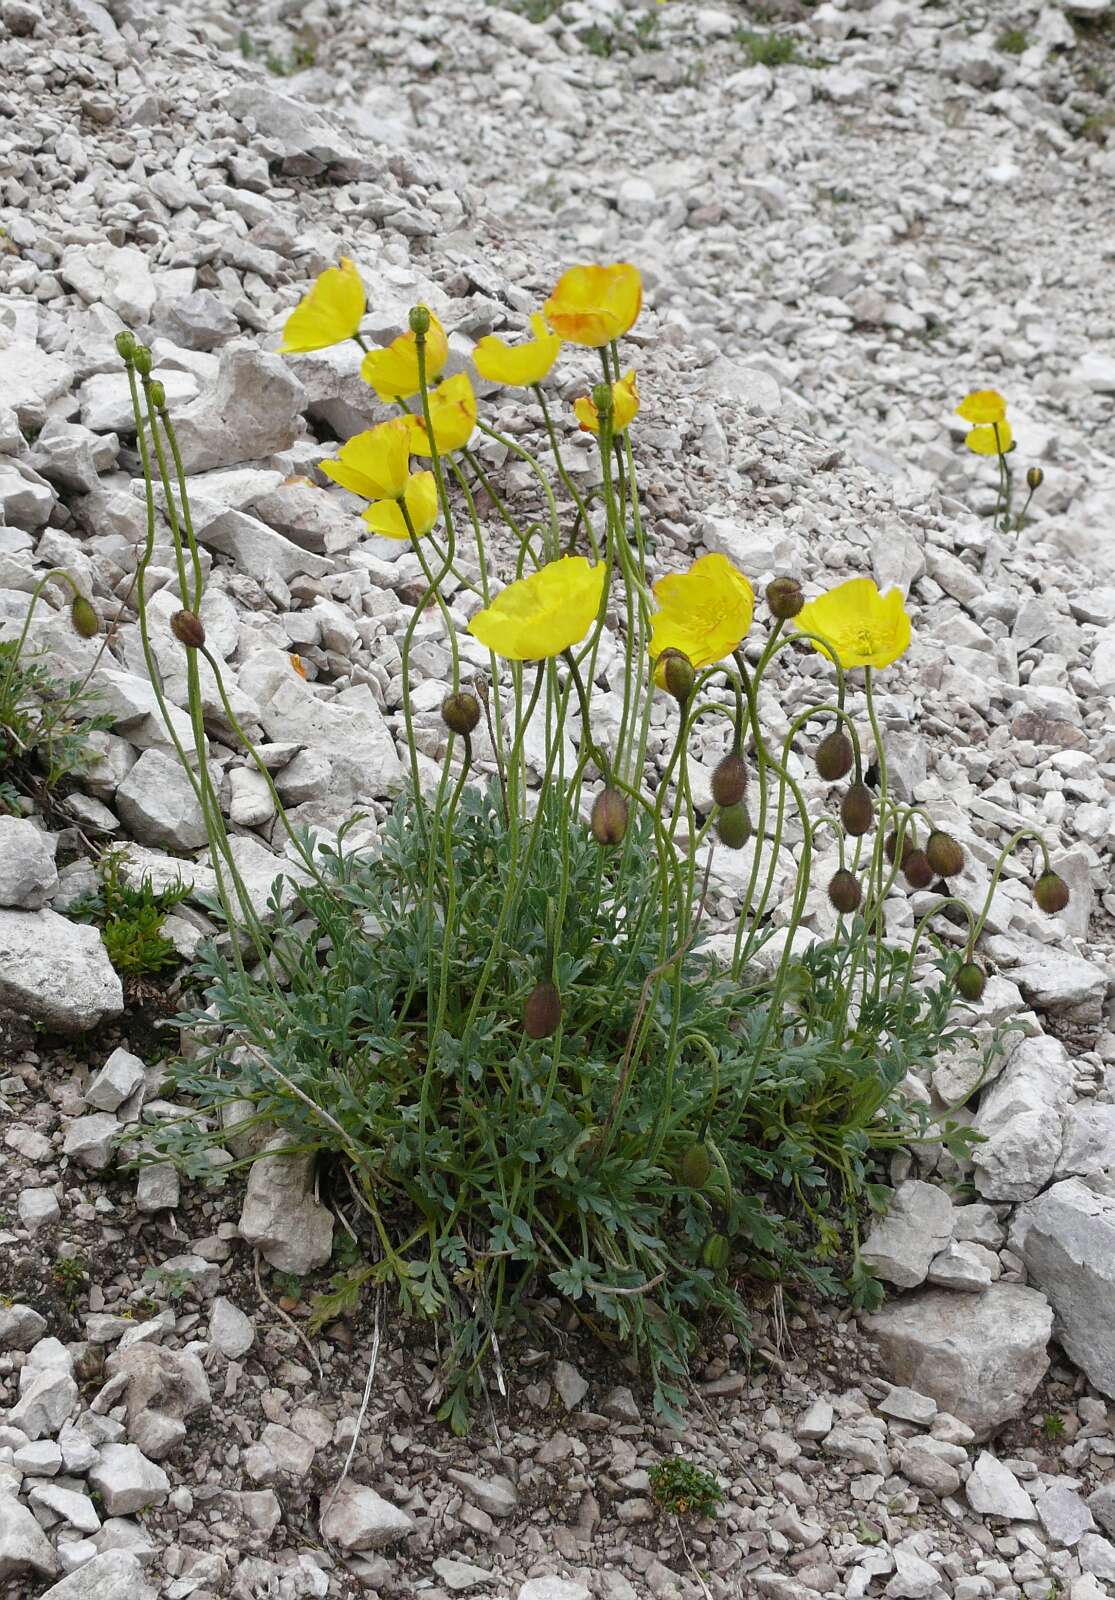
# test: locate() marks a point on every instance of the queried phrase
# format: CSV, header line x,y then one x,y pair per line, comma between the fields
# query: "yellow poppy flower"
x,y
594,305
521,364
420,496
864,627
993,439
374,464
544,614
330,312
393,373
982,405
625,406
704,613
453,414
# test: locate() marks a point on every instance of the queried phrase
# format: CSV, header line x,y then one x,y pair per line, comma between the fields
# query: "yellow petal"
x,y
864,628
453,415
520,365
982,405
593,305
374,464
330,312
540,616
625,406
991,440
393,372
705,612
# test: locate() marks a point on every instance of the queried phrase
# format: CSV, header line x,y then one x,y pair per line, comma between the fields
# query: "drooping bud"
x,y
609,817
420,320
733,825
126,345
696,1166
1051,893
542,1012
945,856
971,981
158,395
890,846
784,597
835,756
845,892
917,870
83,619
716,1252
187,629
729,781
141,360
678,674
857,809
1035,477
460,712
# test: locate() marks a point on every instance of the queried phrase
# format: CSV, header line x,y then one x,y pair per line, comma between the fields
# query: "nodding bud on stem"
x,y
187,629
1051,893
157,394
460,712
696,1166
716,1252
857,811
542,1012
891,847
141,360
420,320
677,671
845,892
126,345
971,981
609,817
1035,477
917,870
784,597
834,756
83,619
729,781
945,856
734,826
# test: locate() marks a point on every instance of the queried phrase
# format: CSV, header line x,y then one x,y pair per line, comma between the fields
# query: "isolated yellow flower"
x,y
625,406
521,364
393,373
544,614
330,312
385,516
704,612
993,439
374,464
453,414
982,405
594,305
864,627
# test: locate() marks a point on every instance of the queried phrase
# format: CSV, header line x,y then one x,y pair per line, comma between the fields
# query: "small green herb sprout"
x,y
684,1489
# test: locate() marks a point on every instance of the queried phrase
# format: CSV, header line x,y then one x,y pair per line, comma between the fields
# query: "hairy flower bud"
x,y
1051,893
126,345
420,320
157,394
83,619
729,781
603,400
917,870
1035,477
834,756
845,892
716,1251
696,1166
784,597
945,856
141,360
857,810
677,670
890,846
460,712
187,629
542,1012
971,981
734,826
609,817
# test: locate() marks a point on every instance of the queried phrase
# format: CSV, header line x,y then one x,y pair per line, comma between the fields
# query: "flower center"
x,y
864,640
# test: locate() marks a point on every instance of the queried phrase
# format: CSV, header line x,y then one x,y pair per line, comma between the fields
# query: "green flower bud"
x,y
696,1166
784,597
845,892
141,360
734,826
729,781
1035,477
187,629
602,400
609,817
542,1012
1051,893
945,856
83,619
420,320
126,345
834,756
917,870
716,1252
891,846
157,394
460,712
857,810
971,981
677,671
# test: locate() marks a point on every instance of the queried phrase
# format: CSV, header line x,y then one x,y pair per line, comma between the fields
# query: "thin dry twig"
x,y
373,1362
291,1324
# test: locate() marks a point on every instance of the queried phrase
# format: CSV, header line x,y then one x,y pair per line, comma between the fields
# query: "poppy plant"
x,y
625,406
543,614
519,365
386,517
374,464
703,613
452,415
329,313
865,628
594,305
393,372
